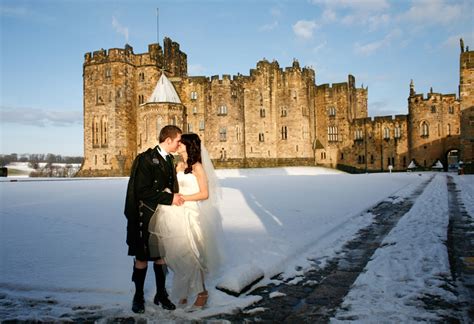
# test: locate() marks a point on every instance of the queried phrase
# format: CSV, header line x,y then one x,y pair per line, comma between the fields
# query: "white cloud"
x,y
119,28
360,5
370,48
432,12
39,117
320,47
304,28
328,16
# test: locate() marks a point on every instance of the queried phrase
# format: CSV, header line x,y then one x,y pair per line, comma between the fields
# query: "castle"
x,y
272,117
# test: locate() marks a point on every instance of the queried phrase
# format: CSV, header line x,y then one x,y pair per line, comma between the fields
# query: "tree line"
x,y
49,158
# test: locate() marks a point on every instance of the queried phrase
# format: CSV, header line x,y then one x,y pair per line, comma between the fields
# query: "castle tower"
x,y
116,84
466,97
162,108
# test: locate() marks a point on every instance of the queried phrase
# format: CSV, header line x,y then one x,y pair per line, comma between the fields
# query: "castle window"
x,y
223,154
342,156
105,158
372,160
305,132
332,112
103,130
190,128
201,125
332,134
141,77
95,159
284,112
261,137
110,96
448,129
194,95
284,133
323,155
358,135
108,73
95,132
223,134
222,110
398,132
141,99
451,110
386,133
262,112
433,109
195,110
424,129
238,132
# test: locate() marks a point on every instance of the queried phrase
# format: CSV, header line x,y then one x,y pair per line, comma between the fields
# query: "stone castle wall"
x,y
272,117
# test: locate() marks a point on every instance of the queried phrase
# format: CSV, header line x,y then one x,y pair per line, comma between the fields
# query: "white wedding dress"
x,y
181,240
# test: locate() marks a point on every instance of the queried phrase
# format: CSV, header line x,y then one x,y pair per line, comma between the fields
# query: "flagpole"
x,y
157,26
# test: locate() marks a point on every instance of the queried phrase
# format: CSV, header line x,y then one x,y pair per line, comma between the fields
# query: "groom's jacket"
x,y
152,182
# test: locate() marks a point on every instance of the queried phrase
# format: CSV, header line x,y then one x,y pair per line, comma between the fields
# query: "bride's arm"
x,y
201,177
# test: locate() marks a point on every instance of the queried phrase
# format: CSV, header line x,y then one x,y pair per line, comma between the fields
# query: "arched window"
x,y
222,110
386,133
425,131
103,130
398,132
284,132
223,134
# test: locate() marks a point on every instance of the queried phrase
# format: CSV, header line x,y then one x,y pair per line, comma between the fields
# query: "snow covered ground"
x,y
63,251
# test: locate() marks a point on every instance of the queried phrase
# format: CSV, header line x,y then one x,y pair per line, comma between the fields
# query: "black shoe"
x,y
164,301
138,304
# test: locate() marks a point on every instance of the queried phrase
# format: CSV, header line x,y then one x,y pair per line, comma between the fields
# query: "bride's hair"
x,y
193,148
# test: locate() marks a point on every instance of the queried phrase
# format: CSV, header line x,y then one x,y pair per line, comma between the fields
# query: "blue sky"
x,y
382,43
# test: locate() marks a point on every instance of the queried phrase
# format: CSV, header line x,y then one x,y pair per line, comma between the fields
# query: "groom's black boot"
x,y
161,296
138,277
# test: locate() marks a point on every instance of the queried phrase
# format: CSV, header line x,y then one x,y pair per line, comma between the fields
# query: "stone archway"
x,y
452,160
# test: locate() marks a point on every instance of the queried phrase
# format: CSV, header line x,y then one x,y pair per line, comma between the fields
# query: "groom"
x,y
152,183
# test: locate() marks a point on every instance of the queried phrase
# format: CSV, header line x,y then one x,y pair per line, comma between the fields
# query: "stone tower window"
x,y
141,99
284,112
195,110
223,134
222,110
95,132
332,134
448,129
103,130
141,76
262,112
238,134
201,125
358,135
284,133
398,132
108,73
433,109
332,112
105,158
261,137
424,129
194,95
386,133
451,110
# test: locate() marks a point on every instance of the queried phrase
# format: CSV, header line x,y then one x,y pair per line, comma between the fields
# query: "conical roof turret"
x,y
164,91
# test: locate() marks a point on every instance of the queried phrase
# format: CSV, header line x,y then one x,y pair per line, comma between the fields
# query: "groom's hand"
x,y
178,200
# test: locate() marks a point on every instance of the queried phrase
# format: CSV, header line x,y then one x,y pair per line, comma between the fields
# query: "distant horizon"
x,y
384,44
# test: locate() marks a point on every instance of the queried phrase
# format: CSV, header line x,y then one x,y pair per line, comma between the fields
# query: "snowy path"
x,y
316,295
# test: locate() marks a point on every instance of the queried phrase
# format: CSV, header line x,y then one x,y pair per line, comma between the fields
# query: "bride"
x,y
188,233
